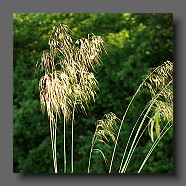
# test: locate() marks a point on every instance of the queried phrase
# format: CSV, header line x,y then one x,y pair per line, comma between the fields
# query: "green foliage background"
x,y
136,43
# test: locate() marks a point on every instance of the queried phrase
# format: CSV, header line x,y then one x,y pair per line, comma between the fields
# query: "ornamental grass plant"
x,y
68,84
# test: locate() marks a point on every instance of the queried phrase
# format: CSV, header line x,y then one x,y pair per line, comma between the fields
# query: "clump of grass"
x,y
68,81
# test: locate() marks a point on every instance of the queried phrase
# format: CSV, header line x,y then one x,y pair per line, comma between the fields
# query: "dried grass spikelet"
x,y
53,95
61,43
160,77
87,51
160,84
165,110
107,127
46,63
88,85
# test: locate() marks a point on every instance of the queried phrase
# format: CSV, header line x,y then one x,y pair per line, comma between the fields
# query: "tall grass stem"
x,y
153,146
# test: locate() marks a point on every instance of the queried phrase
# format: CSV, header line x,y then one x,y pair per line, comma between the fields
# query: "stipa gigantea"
x,y
68,81
160,82
161,119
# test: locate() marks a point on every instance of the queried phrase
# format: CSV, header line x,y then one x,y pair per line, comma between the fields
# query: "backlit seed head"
x,y
68,79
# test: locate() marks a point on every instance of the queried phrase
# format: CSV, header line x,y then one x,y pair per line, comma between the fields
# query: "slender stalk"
x,y
54,136
55,140
53,143
130,156
51,138
122,124
101,154
139,128
91,150
130,138
153,146
72,147
64,142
